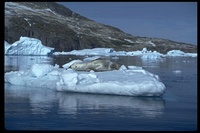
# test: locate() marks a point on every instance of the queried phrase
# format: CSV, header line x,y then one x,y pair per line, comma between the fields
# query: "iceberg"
x,y
94,51
33,46
144,53
175,53
27,46
152,56
128,81
176,72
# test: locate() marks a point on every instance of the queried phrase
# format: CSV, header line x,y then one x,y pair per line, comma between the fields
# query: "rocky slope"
x,y
59,27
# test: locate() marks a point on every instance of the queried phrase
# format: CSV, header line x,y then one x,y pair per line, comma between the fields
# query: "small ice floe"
x,y
176,72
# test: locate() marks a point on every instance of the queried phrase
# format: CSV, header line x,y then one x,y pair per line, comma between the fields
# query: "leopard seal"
x,y
95,65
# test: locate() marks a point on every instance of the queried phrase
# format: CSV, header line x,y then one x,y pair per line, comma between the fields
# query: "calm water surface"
x,y
29,108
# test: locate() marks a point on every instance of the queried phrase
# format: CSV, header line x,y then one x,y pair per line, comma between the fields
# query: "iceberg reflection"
x,y
44,100
24,62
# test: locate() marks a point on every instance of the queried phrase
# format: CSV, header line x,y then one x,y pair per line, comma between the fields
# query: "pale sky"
x,y
176,21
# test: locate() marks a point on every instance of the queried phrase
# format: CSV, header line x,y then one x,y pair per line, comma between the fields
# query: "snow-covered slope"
x,y
27,46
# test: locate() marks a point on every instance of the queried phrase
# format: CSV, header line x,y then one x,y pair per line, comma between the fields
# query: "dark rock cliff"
x,y
59,27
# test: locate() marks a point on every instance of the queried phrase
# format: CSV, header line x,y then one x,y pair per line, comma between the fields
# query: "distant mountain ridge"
x,y
59,27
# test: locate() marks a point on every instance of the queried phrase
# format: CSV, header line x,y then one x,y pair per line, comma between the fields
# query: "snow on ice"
x,y
131,80
144,53
27,46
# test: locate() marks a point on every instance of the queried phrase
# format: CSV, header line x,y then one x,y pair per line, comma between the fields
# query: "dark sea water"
x,y
29,108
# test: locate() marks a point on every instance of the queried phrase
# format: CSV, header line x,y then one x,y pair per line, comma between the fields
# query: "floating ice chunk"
x,y
123,67
28,46
69,78
94,51
151,56
13,78
39,70
115,58
191,54
176,53
177,71
144,50
144,53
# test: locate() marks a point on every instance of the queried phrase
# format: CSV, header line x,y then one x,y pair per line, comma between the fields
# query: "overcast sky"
x,y
176,21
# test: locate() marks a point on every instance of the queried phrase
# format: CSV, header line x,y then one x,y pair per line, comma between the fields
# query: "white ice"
x,y
144,53
95,51
180,53
6,46
131,80
32,46
176,71
27,46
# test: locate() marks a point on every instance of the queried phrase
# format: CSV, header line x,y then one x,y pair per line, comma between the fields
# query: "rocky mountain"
x,y
59,27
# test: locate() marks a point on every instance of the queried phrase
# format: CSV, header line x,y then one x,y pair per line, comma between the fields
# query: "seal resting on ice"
x,y
95,65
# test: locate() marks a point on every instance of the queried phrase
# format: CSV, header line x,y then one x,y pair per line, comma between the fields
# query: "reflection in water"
x,y
43,100
36,108
147,107
15,63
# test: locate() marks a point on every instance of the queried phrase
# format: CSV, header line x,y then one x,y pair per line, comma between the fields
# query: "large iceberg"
x,y
130,81
27,46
